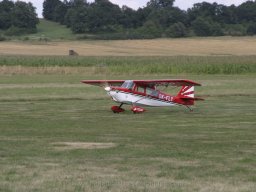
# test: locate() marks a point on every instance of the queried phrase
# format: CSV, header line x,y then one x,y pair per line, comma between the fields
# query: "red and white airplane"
x,y
145,93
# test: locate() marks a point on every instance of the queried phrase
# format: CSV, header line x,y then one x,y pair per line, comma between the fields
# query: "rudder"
x,y
187,92
186,96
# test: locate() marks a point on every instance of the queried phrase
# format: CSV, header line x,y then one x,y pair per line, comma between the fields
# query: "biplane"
x,y
139,93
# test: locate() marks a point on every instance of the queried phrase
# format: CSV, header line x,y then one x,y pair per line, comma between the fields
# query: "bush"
x,y
206,27
149,30
176,30
15,31
26,39
251,29
235,30
216,29
2,38
201,27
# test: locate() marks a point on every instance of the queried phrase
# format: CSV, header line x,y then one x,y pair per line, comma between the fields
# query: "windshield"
x,y
128,84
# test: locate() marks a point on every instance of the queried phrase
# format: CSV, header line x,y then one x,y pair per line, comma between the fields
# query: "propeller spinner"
x,y
107,88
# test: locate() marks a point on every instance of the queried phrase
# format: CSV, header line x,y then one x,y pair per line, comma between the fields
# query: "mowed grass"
x,y
164,149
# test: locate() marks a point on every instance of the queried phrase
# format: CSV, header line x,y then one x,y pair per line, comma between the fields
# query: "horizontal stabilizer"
x,y
194,99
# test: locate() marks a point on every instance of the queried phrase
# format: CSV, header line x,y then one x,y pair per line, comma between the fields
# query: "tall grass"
x,y
143,65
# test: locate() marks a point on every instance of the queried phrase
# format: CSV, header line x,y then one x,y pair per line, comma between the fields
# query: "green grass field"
x,y
52,30
57,134
60,135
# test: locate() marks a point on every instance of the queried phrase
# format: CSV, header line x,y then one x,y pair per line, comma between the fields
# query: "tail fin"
x,y
186,95
187,92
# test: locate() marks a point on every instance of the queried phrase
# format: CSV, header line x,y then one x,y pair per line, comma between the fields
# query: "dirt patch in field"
x,y
82,145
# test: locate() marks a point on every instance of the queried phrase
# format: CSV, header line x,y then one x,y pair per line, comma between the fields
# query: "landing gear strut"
x,y
120,105
117,109
190,109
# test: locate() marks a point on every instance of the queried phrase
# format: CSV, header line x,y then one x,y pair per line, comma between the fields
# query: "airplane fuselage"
x,y
126,96
144,93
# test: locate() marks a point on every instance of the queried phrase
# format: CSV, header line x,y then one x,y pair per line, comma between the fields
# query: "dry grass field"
x,y
218,46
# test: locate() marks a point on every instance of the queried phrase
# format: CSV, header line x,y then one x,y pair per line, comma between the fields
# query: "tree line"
x,y
105,20
17,18
159,18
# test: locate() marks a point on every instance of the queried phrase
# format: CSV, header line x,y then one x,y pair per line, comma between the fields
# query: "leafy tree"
x,y
78,3
226,15
150,29
201,10
216,29
160,3
6,5
215,12
17,18
201,27
6,8
142,15
206,27
246,12
167,17
128,18
176,30
79,20
104,15
24,16
100,16
49,7
60,12
69,17
163,12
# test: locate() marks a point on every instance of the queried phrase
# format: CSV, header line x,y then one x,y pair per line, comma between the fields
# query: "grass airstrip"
x,y
57,134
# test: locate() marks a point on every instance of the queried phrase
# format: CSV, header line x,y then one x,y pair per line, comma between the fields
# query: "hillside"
x,y
48,30
52,31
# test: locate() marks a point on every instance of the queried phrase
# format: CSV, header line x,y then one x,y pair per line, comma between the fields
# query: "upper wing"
x,y
166,82
148,83
103,83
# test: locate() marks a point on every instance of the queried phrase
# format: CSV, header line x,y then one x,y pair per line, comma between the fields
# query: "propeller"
x,y
103,69
107,88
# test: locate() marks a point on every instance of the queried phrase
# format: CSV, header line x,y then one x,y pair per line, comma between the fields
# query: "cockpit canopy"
x,y
129,84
